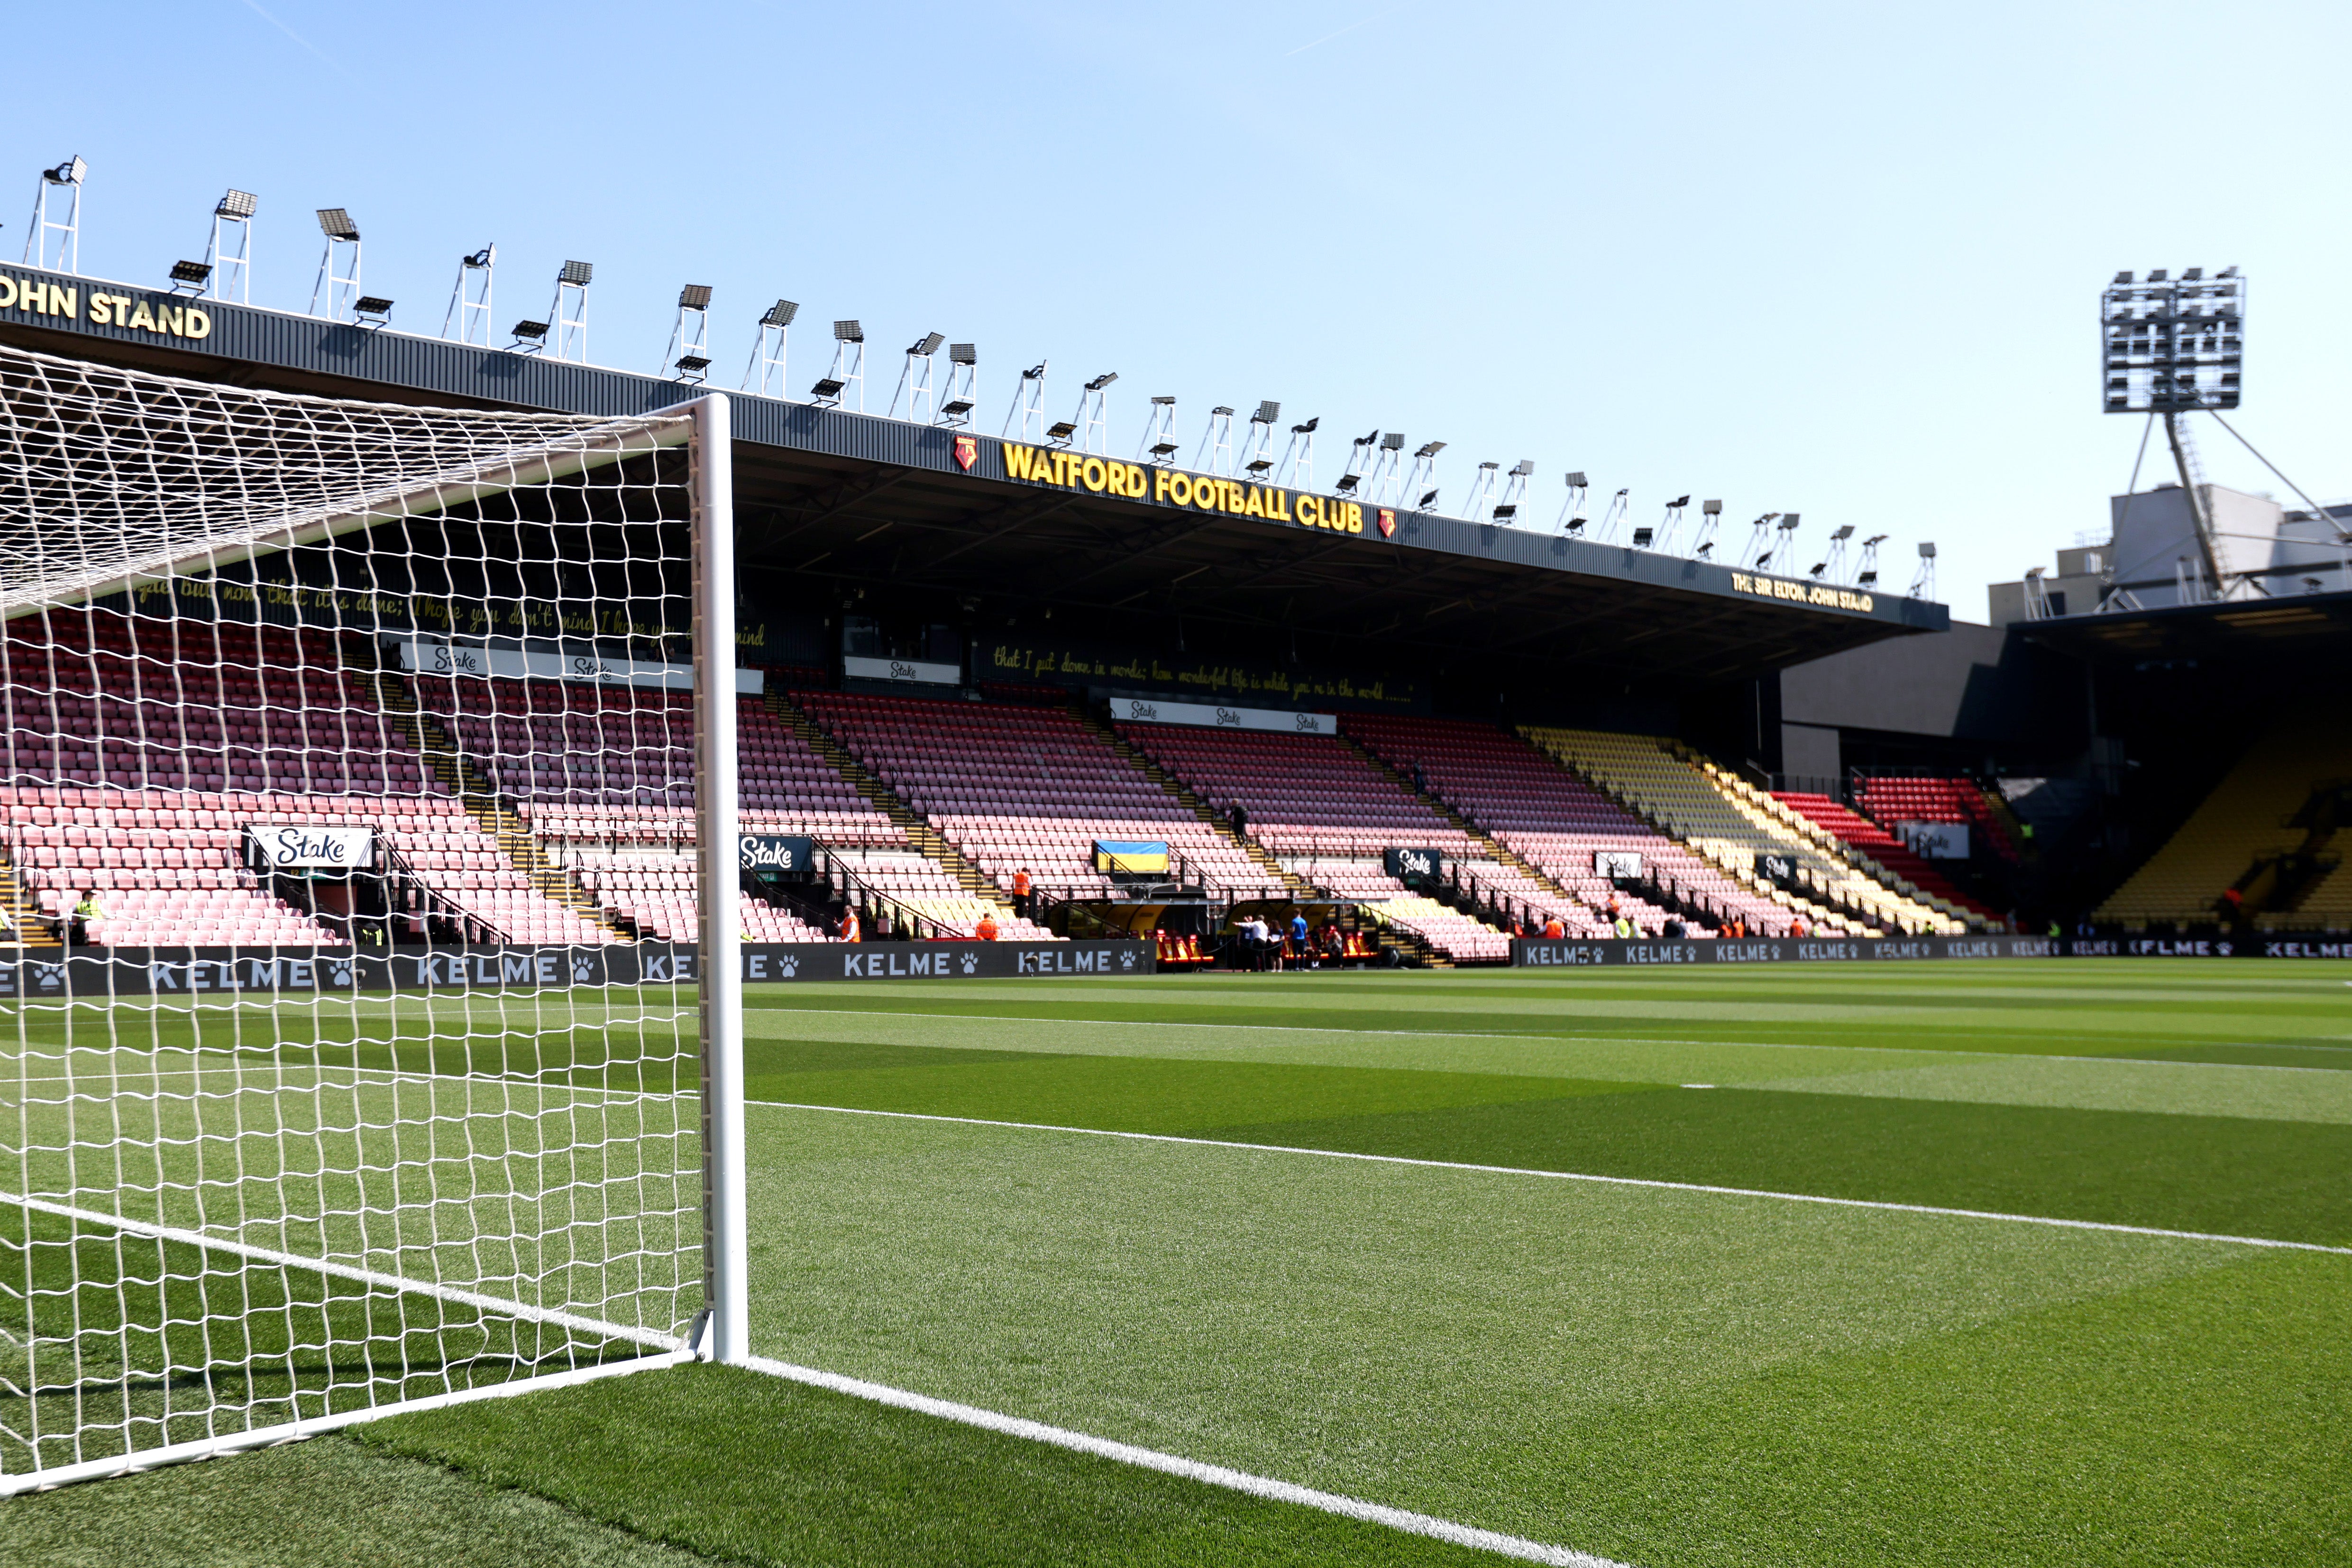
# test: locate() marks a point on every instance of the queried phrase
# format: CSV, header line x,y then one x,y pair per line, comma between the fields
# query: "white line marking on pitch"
x,y
1188,1469
1581,1176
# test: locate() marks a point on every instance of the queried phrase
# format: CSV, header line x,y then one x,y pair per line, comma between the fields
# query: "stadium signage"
x,y
1608,953
1070,471
773,852
1936,840
1822,594
1406,865
165,315
1218,716
538,664
291,847
1615,863
906,670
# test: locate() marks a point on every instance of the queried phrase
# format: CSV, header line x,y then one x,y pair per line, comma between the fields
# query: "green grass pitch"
x,y
1345,1253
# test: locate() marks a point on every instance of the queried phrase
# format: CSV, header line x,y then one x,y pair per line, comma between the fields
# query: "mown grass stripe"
x,y
2052,1221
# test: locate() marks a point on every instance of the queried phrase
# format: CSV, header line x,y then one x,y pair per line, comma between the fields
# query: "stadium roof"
x,y
830,494
2307,629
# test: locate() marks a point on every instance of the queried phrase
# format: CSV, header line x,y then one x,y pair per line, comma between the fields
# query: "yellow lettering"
x,y
170,319
65,302
1355,517
7,293
1138,483
1310,511
1232,495
1277,505
102,307
142,319
1017,461
35,295
1163,486
1253,503
200,323
1094,475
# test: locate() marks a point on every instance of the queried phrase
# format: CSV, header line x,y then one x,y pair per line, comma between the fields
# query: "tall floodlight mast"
x,y
2174,345
65,254
470,299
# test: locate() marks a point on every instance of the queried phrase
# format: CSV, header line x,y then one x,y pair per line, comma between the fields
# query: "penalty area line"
x,y
1263,1486
2050,1221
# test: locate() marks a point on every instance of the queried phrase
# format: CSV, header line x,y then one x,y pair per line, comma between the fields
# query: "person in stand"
x,y
86,909
848,923
1240,820
987,929
1624,929
1553,929
1798,929
1335,947
1020,894
1673,929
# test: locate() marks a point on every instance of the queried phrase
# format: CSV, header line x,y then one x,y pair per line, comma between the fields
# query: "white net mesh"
x,y
281,1137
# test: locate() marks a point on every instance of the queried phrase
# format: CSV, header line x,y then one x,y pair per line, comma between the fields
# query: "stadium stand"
x,y
1888,799
2278,802
1729,823
1853,827
1013,785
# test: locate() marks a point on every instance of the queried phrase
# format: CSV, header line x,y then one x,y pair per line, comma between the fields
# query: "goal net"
x,y
326,1093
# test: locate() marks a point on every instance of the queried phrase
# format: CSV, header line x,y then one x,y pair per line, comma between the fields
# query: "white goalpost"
x,y
284,683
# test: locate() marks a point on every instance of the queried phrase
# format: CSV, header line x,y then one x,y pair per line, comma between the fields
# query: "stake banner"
x,y
1405,863
1615,863
1220,716
197,973
774,852
295,846
1936,840
538,664
911,672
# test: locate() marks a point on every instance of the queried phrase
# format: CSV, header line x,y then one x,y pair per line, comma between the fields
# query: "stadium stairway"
x,y
23,915
512,835
1499,850
920,835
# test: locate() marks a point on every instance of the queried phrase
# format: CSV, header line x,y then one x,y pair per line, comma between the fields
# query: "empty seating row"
x,y
1892,798
1881,845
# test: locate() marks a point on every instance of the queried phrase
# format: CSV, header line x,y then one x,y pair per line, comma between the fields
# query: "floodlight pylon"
x,y
340,289
1216,443
1423,472
1481,492
1710,515
1359,465
232,219
687,358
1297,465
1923,581
1386,480
470,299
1159,442
66,255
1257,444
1612,516
1028,407
1672,524
915,379
1834,564
1571,512
1758,550
1514,492
768,349
1089,427
567,315
964,374
847,370
1867,577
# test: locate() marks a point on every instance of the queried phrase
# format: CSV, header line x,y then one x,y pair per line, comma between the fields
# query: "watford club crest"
x,y
1388,522
967,452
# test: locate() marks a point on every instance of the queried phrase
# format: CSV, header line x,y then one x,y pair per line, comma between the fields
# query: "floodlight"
x,y
579,272
1392,442
1874,541
1307,428
336,224
68,173
1818,568
1221,408
2193,275
1787,521
954,406
1268,412
694,297
1844,531
533,331
1488,467
1259,466
1061,430
1926,550
1104,379
375,305
1763,561
1868,579
1505,511
1429,500
781,314
1642,537
1705,552
1428,449
1031,374
1165,402
1347,483
848,332
1523,467
2123,278
2158,276
1679,501
483,258
1576,524
828,387
237,204
693,365
2227,272
1710,509
195,273
1164,447
927,344
963,353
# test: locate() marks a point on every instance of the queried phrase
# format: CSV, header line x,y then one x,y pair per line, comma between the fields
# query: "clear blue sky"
x,y
1840,259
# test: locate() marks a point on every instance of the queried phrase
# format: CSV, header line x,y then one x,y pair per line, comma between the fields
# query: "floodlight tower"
x,y
1028,403
1710,517
963,372
688,354
1868,576
1384,477
1216,443
1672,524
1923,581
847,370
64,255
1514,492
1615,514
1297,465
1159,441
470,300
1482,490
1834,564
1358,464
1257,447
1090,424
232,219
567,314
2174,345
1784,547
1571,512
915,379
1422,472
768,348
340,289
1758,550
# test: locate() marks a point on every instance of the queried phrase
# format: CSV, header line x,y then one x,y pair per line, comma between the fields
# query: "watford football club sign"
x,y
1084,471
